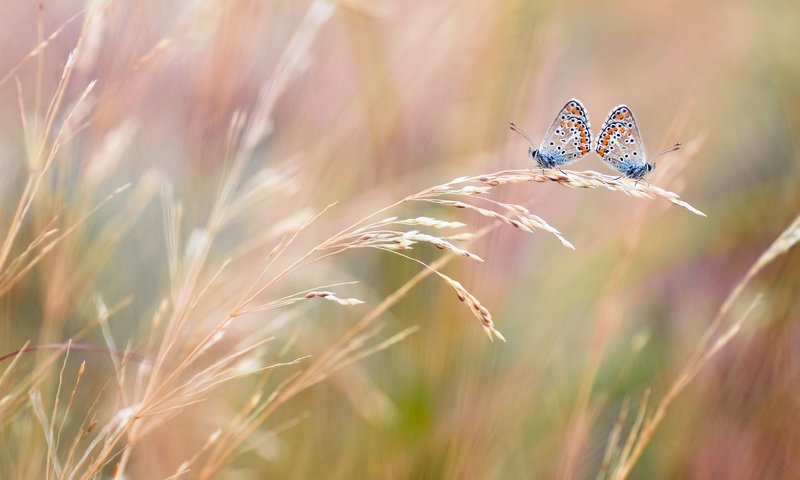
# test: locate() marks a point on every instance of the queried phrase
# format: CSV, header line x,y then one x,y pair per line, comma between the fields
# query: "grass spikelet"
x,y
333,298
475,306
427,222
439,243
571,179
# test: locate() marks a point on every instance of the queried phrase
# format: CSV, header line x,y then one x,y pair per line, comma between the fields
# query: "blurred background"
x,y
384,99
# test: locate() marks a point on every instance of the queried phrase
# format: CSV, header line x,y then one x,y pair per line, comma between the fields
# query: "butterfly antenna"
x,y
515,128
677,146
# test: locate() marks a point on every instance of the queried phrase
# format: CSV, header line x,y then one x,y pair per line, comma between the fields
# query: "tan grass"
x,y
341,352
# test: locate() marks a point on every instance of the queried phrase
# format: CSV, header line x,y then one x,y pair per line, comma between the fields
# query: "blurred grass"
x,y
391,103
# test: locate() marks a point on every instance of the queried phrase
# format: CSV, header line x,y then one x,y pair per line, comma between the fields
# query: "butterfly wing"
x,y
619,142
570,133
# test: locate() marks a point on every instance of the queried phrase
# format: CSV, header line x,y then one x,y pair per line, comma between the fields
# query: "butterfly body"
x,y
568,138
548,159
635,170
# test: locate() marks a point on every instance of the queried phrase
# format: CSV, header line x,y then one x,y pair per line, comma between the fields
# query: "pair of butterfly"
x,y
570,137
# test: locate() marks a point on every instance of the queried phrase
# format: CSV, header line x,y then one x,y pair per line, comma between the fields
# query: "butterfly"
x,y
568,138
620,144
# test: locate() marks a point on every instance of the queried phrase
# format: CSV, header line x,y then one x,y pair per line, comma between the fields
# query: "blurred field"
x,y
155,350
